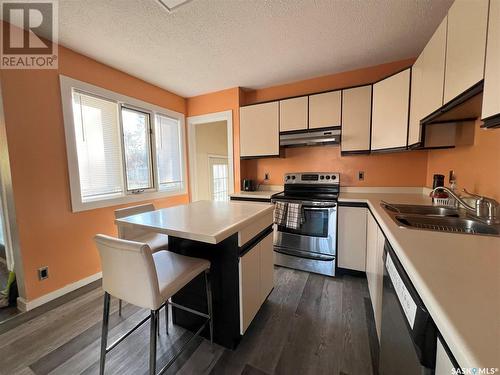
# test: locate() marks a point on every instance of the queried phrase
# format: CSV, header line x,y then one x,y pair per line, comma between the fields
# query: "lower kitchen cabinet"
x,y
256,272
375,240
352,238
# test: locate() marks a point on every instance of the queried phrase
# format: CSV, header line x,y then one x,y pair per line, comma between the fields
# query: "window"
x,y
219,178
120,149
136,145
97,136
168,151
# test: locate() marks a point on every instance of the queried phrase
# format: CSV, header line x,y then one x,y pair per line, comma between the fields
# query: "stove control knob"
x,y
327,177
293,177
287,177
322,177
334,177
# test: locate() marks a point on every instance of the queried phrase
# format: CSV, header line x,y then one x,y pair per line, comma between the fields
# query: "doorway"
x,y
11,284
211,156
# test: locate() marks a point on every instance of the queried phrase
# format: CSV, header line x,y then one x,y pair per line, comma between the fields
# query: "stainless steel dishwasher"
x,y
408,338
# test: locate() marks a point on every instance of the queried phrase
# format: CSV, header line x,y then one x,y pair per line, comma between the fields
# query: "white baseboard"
x,y
383,190
25,305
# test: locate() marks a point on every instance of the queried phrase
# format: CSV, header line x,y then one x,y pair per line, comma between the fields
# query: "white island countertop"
x,y
456,275
204,221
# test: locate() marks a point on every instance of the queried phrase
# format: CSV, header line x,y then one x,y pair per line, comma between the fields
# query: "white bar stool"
x,y
131,272
156,241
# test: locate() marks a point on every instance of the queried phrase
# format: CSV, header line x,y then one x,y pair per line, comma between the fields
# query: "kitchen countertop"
x,y
204,221
259,194
456,275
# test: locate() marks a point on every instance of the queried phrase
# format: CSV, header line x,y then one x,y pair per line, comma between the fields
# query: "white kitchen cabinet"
x,y
491,94
427,82
444,366
416,99
466,46
352,238
325,109
266,267
293,114
375,240
390,112
433,71
259,130
356,119
256,273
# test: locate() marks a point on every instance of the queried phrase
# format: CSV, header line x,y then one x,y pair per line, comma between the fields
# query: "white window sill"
x,y
78,206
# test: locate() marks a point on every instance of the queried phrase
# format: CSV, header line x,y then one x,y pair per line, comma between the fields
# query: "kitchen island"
x,y
236,237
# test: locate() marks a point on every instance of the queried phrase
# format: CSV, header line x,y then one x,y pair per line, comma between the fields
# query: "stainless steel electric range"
x,y
313,246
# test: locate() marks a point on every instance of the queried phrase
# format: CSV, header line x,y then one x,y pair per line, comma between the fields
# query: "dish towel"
x,y
280,210
294,216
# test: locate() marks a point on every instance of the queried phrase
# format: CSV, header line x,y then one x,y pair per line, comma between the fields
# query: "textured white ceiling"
x,y
210,45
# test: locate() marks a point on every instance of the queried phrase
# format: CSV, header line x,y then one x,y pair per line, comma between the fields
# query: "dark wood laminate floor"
x,y
310,325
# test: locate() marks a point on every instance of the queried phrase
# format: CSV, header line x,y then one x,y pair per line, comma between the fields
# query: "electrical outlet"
x,y
43,273
266,176
361,175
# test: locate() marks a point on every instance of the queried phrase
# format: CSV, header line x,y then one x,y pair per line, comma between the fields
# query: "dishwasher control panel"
x,y
404,296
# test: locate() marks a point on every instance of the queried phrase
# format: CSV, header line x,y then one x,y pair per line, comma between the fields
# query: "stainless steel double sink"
x,y
438,218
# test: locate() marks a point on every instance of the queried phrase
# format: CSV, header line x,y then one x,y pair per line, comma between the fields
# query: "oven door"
x,y
315,238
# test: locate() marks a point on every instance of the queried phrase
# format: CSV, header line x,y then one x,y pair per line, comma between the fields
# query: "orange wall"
x,y
325,83
477,166
50,234
217,102
402,169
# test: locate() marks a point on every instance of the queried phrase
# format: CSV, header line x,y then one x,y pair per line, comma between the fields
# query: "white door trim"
x,y
203,119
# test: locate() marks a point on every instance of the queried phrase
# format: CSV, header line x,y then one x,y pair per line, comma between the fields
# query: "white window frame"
x,y
67,86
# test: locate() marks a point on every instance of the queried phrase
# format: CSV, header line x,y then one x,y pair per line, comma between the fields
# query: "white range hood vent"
x,y
310,138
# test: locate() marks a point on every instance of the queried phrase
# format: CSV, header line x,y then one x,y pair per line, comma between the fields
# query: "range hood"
x,y
310,138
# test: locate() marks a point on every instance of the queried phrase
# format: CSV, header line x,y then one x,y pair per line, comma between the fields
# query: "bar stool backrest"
x,y
129,233
128,271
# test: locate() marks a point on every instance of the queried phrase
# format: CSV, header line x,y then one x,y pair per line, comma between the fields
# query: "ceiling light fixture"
x,y
171,5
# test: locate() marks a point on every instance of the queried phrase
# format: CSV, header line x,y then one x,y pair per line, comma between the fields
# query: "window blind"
x,y
169,153
98,145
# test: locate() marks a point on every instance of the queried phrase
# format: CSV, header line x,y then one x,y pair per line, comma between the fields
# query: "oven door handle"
x,y
319,208
308,204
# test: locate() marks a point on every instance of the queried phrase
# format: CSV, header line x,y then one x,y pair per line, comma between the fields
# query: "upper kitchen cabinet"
x,y
356,119
259,130
491,94
417,93
325,110
293,114
466,46
427,82
390,112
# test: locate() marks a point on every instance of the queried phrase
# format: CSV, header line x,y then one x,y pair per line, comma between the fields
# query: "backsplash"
x,y
395,169
477,166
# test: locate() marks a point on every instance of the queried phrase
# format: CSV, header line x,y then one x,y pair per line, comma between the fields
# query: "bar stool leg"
x,y
104,334
152,342
166,317
119,307
209,303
